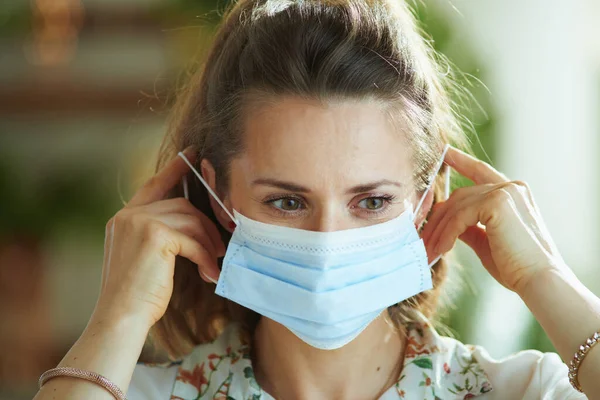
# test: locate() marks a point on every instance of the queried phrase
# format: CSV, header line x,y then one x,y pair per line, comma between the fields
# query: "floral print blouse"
x,y
435,368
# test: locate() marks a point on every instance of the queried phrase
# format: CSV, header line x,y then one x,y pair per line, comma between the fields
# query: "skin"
x,y
327,150
333,155
330,155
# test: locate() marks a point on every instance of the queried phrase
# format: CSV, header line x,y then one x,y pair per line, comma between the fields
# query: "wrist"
x,y
111,322
542,279
110,346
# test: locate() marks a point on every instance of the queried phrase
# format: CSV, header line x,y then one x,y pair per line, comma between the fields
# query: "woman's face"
x,y
320,168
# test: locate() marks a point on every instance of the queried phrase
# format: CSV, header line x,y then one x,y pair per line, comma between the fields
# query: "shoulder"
x,y
159,381
528,374
456,370
217,369
441,367
221,369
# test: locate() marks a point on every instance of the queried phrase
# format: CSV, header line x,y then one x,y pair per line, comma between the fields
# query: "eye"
x,y
287,204
372,203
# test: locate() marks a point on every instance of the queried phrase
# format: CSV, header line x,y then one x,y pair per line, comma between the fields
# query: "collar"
x,y
435,367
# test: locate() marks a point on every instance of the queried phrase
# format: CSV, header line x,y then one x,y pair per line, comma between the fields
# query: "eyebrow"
x,y
293,187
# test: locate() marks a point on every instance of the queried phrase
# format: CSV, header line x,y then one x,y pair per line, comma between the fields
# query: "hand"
x,y
142,241
498,219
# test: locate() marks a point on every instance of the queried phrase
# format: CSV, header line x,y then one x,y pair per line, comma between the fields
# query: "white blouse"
x,y
435,367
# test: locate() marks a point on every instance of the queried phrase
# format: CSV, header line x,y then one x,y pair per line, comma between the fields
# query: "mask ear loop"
x,y
208,188
446,189
446,196
437,168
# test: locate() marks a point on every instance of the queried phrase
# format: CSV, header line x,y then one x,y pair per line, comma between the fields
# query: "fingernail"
x,y
216,277
208,277
189,150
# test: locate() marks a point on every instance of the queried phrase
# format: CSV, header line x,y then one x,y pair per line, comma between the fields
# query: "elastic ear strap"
x,y
437,169
446,194
212,193
435,261
447,183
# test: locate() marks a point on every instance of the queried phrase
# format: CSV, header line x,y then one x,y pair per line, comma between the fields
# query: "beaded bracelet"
x,y
87,375
578,358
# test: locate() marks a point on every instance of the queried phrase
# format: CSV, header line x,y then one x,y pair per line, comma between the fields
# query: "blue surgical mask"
x,y
325,287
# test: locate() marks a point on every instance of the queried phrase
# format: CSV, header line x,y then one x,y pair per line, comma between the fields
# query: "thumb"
x,y
476,238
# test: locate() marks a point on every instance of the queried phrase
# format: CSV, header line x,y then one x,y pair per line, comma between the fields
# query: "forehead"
x,y
309,142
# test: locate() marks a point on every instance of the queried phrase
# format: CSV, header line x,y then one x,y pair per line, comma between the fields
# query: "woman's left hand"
x,y
498,219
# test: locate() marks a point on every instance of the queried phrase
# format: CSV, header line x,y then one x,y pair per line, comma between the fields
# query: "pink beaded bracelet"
x,y
578,358
87,375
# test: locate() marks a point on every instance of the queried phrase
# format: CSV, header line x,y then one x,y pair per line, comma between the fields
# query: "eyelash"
x,y
388,199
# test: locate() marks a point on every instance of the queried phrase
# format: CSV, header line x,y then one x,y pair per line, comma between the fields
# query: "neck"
x,y
287,368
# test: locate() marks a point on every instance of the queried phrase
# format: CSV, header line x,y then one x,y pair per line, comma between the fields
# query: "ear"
x,y
425,208
208,173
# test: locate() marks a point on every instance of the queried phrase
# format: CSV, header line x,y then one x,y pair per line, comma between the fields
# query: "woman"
x,y
316,129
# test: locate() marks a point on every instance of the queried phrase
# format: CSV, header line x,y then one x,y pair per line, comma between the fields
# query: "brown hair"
x,y
319,49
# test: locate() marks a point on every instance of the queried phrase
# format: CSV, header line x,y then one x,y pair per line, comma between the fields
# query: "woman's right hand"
x,y
142,241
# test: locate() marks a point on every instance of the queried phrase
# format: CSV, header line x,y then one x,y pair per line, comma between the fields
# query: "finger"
x,y
426,227
206,278
157,187
454,225
214,235
485,208
440,209
458,196
472,168
195,252
476,238
529,213
183,206
524,191
521,196
456,218
435,228
191,226
432,221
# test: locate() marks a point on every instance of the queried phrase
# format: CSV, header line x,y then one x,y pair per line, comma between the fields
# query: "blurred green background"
x,y
85,87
